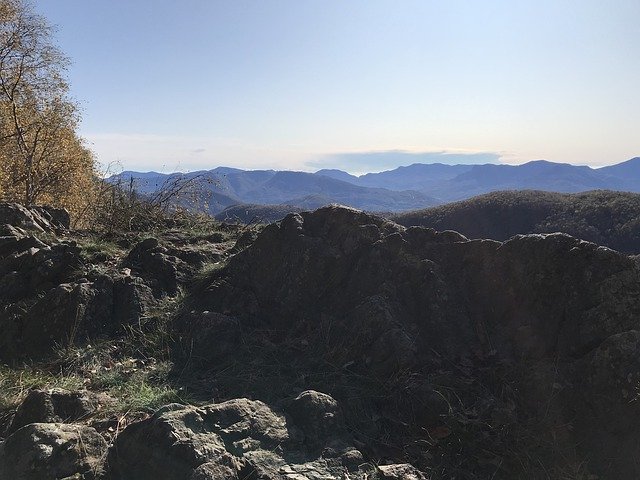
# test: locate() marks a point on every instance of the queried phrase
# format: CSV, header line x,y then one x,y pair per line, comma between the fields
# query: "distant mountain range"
x,y
223,187
404,188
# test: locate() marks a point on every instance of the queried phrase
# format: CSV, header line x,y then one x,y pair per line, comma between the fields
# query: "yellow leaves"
x,y
42,159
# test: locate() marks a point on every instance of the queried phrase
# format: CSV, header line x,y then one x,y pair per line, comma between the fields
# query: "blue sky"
x,y
298,84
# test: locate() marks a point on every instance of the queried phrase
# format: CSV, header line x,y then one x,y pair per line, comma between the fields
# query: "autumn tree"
x,y
43,158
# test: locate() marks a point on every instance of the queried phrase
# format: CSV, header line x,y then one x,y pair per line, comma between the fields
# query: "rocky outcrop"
x,y
420,309
71,312
165,268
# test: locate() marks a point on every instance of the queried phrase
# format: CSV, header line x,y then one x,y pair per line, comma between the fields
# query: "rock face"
x,y
164,267
449,323
45,451
395,291
236,439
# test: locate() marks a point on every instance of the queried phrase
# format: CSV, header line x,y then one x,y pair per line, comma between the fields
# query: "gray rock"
x,y
46,451
132,300
53,406
152,262
240,437
69,313
42,219
414,308
319,416
59,218
214,471
401,471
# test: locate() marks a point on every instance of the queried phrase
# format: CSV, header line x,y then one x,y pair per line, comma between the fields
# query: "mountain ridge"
x,y
405,188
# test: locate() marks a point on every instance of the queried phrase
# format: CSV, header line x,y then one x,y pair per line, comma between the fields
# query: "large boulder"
x,y
71,313
320,418
46,451
29,266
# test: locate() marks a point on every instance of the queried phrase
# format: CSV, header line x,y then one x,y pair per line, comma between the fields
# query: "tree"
x,y
43,159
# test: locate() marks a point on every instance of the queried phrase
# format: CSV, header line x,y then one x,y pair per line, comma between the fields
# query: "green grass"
x,y
134,384
16,382
202,276
134,369
95,249
136,389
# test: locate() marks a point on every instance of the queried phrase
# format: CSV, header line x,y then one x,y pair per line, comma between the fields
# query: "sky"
x,y
361,85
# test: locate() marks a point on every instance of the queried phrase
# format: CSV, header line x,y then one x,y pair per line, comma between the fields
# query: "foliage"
x,y
42,159
118,206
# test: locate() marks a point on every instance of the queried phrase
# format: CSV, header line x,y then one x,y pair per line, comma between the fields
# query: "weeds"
x,y
16,383
98,249
134,369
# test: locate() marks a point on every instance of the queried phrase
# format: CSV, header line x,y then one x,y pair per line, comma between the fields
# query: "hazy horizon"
x,y
425,158
171,86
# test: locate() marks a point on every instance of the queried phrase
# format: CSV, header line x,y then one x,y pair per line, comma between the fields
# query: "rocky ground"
x,y
333,344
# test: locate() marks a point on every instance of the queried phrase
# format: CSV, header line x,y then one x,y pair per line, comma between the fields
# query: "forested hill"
x,y
604,217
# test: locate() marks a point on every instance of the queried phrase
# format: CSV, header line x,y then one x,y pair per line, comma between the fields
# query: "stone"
x,y
132,300
238,438
402,471
53,406
214,471
71,313
46,451
42,218
433,317
152,262
319,416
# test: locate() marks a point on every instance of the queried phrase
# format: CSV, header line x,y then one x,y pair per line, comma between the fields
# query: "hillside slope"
x,y
604,217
